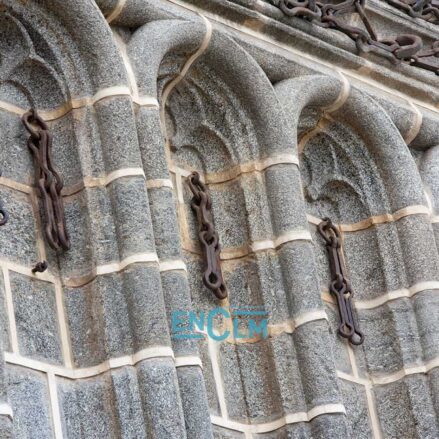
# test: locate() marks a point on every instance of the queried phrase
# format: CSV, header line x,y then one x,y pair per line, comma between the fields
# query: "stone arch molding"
x,y
201,77
90,335
389,242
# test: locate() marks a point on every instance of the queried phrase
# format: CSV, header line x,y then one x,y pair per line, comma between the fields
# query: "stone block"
x,y
285,198
381,344
29,398
151,143
119,138
256,204
271,285
374,261
6,427
209,379
160,399
234,391
88,406
36,318
4,319
116,314
164,222
286,370
15,156
229,216
128,404
98,321
357,415
260,399
329,426
195,408
132,216
78,261
146,308
320,384
177,298
339,344
90,224
300,430
419,248
426,308
87,141
18,234
392,339
65,154
300,278
405,409
223,433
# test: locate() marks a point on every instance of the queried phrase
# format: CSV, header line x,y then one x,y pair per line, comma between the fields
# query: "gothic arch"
x,y
220,116
90,334
389,222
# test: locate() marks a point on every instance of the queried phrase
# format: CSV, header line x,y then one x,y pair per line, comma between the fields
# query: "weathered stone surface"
x,y
297,431
116,315
355,402
128,404
80,399
404,409
18,235
36,318
29,397
164,223
223,113
159,392
194,403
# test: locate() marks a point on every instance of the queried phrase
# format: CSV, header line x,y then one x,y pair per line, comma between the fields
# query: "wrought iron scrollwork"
x,y
48,181
202,205
405,48
340,286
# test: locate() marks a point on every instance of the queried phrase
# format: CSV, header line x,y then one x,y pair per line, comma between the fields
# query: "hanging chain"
x,y
48,180
340,286
428,10
402,48
202,205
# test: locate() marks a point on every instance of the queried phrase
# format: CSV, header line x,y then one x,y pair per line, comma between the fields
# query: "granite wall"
x,y
287,124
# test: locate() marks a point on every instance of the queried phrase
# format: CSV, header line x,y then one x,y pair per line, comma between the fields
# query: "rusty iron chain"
x,y
48,181
202,205
340,286
405,48
40,267
428,10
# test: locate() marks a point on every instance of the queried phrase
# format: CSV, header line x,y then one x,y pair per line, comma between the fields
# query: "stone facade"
x,y
288,124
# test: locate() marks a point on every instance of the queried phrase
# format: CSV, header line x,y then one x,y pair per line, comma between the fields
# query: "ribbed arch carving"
x,y
357,169
86,343
223,119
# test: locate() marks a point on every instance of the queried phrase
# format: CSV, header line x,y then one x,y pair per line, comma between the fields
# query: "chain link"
x,y
340,286
48,180
202,205
428,10
405,48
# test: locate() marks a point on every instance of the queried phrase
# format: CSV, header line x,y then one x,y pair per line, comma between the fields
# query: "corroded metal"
x,y
428,10
48,181
40,267
202,205
340,286
405,48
